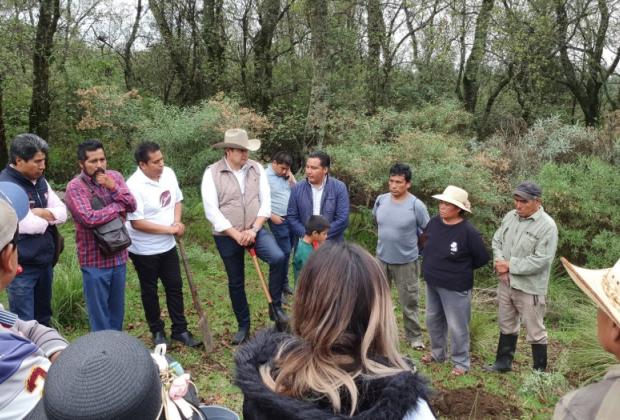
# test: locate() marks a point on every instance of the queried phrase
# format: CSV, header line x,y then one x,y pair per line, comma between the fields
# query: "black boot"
x,y
505,353
539,355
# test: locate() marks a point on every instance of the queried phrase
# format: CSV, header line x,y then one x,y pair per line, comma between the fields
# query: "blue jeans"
x,y
282,235
104,293
30,294
449,311
233,256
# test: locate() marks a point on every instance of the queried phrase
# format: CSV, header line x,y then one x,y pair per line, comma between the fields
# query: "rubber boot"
x,y
539,355
505,353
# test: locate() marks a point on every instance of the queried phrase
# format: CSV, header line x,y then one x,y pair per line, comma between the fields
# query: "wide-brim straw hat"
x,y
237,138
455,195
602,286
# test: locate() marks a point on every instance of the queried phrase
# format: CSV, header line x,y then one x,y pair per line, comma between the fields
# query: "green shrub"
x,y
122,120
436,160
583,199
68,307
548,140
548,387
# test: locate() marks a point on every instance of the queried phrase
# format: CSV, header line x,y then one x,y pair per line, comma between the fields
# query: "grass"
x,y
574,355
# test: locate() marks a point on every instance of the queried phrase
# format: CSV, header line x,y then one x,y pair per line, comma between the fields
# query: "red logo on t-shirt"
x,y
165,198
35,374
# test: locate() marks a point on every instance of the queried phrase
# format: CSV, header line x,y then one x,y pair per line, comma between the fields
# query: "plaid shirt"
x,y
118,202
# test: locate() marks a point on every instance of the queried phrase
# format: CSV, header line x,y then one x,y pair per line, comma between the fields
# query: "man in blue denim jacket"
x,y
319,194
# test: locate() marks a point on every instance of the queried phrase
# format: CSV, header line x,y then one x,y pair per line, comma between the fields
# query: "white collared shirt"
x,y
211,203
155,202
317,195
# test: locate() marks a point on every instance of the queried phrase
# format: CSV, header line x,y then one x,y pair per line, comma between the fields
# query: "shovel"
x,y
281,319
203,324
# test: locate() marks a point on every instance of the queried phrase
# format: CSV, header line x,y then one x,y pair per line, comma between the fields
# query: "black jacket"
x,y
32,249
382,398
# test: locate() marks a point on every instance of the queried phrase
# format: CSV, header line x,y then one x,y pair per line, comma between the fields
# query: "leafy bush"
x,y
546,386
583,199
185,134
436,160
548,140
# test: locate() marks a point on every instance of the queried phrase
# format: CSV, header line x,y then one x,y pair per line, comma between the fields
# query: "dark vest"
x,y
32,249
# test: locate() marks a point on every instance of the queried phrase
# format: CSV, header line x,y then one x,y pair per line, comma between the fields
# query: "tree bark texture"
x,y
215,42
376,35
585,85
268,18
185,56
4,151
49,13
316,120
471,84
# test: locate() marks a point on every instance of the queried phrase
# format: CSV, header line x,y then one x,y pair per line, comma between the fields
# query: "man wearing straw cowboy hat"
x,y
598,400
237,202
523,250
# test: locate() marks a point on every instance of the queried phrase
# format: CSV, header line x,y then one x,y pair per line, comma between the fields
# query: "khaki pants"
x,y
405,277
516,306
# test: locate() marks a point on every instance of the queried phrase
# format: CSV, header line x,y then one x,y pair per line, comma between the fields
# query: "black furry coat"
x,y
382,398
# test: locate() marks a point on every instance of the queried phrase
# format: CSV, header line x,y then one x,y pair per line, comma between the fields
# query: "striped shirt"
x,y
118,202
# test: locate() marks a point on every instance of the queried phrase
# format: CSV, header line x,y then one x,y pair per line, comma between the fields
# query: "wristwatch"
x,y
255,229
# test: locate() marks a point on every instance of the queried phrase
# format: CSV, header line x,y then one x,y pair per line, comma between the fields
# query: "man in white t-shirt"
x,y
153,227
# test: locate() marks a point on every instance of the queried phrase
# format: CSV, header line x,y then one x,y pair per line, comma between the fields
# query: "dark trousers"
x,y
233,256
30,294
164,266
282,235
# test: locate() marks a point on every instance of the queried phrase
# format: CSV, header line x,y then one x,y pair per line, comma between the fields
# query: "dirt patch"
x,y
472,403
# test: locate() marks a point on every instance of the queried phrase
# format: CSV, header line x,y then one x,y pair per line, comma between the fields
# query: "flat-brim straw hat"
x,y
602,286
455,195
237,138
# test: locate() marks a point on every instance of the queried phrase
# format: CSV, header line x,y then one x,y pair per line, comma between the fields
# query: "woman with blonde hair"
x,y
341,359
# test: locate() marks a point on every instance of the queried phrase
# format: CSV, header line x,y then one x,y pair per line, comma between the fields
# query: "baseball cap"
x,y
8,225
528,190
16,197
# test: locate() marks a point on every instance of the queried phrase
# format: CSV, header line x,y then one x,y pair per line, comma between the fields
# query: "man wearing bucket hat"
x,y
598,400
237,202
27,348
523,251
30,294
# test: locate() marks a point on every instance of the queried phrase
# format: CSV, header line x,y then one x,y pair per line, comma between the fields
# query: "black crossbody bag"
x,y
111,237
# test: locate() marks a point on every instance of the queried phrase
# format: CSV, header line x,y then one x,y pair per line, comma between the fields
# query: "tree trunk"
x,y
482,124
586,87
184,57
268,17
471,84
127,56
4,152
462,50
316,120
214,38
49,13
376,34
